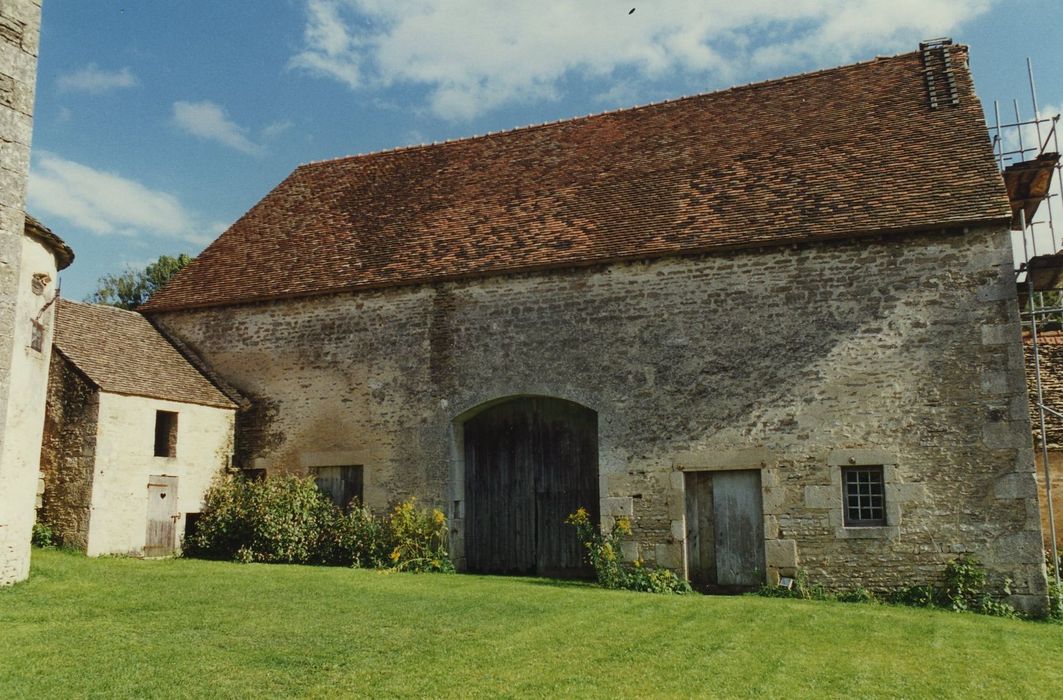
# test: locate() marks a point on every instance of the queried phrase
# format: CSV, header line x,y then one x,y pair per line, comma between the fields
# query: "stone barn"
x,y
133,434
776,326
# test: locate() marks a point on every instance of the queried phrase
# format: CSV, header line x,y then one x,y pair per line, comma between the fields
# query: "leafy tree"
x,y
130,289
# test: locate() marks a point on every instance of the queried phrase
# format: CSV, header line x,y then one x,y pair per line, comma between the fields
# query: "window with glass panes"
x,y
865,496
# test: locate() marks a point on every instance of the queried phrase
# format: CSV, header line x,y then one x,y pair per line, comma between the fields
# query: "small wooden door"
x,y
725,530
529,463
161,539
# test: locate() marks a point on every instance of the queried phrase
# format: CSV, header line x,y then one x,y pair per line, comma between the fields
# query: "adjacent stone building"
x,y
134,434
775,326
21,385
1050,350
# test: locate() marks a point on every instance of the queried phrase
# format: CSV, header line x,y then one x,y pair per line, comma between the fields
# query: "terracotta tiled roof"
x,y
844,152
122,353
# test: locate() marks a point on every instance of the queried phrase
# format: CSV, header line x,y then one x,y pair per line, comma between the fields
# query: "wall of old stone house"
x,y
125,448
68,453
19,38
903,352
24,421
1050,351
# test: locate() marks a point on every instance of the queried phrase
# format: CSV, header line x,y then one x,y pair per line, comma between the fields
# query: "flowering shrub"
x,y
285,519
603,553
418,539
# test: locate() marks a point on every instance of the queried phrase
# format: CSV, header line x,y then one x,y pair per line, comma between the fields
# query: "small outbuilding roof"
x,y
64,254
891,145
122,353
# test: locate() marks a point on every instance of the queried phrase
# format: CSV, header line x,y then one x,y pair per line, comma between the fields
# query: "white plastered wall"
x,y
125,447
20,463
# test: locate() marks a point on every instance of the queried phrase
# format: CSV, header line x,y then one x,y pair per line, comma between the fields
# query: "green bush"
x,y
963,588
1055,601
285,519
42,535
418,539
603,553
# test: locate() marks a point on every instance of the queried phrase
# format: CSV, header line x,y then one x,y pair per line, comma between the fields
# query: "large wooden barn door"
x,y
161,540
725,530
529,462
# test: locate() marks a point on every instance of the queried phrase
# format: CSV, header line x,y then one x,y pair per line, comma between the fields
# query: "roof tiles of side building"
x,y
122,353
844,152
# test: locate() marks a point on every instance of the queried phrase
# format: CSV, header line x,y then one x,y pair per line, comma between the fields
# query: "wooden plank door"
x,y
340,484
738,516
500,491
567,479
529,462
161,540
701,539
724,530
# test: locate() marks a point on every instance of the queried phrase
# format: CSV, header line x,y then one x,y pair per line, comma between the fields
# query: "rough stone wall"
x,y
125,448
1050,356
1055,461
1050,351
903,352
68,453
19,38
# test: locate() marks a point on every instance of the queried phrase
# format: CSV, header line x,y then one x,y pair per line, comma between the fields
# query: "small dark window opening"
x,y
165,434
341,484
865,497
37,336
191,524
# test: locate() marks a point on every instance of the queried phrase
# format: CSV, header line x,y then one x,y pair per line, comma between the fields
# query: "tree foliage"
x,y
130,289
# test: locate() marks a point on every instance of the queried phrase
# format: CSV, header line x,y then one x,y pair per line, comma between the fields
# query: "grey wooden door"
x,y
529,462
161,539
340,484
725,529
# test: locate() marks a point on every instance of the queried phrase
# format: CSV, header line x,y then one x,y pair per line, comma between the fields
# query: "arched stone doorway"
x,y
529,462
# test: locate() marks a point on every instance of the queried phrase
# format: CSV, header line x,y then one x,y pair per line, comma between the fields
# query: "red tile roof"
x,y
122,353
849,151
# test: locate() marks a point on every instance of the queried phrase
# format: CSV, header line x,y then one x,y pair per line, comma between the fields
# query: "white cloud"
x,y
95,80
208,121
272,131
105,203
475,55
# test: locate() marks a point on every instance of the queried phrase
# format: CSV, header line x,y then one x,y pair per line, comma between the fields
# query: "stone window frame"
x,y
373,496
869,476
837,462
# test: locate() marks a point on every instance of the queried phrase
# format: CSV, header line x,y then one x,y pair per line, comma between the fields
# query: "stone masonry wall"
x,y
1050,351
903,352
19,38
68,453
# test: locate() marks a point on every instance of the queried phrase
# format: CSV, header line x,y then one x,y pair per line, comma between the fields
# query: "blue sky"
x,y
159,124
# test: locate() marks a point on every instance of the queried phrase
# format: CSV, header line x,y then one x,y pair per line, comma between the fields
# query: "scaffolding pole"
x,y
1037,310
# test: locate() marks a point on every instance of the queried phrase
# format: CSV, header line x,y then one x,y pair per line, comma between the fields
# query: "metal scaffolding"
x,y
1027,153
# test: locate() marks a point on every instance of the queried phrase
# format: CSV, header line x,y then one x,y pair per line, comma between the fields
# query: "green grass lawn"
x,y
186,628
